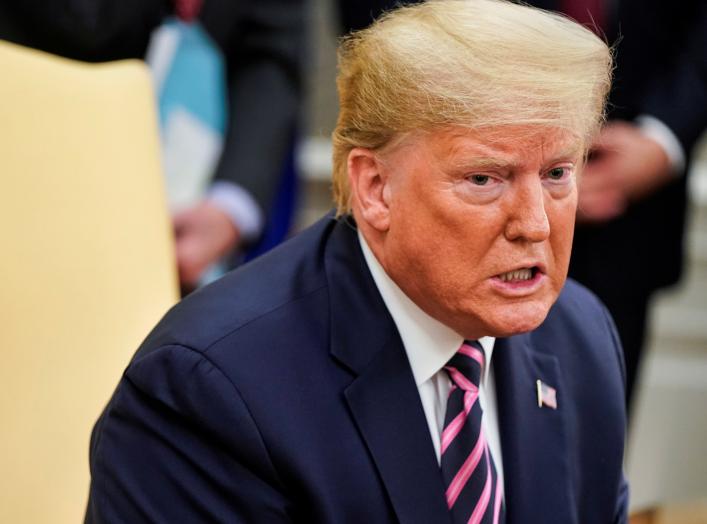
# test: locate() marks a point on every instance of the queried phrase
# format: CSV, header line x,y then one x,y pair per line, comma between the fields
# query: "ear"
x,y
369,188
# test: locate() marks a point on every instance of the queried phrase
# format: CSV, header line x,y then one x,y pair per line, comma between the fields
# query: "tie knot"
x,y
465,367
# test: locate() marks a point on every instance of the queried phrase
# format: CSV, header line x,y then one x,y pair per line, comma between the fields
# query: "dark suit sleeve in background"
x,y
679,98
177,444
88,30
263,42
666,68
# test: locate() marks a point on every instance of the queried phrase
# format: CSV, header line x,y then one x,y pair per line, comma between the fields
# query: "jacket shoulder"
x,y
584,335
288,274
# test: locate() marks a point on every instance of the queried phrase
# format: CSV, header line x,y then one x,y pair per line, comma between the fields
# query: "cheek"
x,y
421,223
435,258
562,228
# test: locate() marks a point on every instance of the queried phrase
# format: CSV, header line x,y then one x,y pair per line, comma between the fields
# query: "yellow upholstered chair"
x,y
86,265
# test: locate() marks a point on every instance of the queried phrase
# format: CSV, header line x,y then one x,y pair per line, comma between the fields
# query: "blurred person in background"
x,y
632,193
358,14
263,44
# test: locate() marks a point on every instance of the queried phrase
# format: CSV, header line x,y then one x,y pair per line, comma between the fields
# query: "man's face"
x,y
481,224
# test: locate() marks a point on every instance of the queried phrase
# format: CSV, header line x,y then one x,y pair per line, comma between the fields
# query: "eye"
x,y
479,180
556,173
559,174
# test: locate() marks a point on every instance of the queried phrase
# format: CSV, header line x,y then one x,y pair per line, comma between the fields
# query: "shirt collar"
x,y
429,344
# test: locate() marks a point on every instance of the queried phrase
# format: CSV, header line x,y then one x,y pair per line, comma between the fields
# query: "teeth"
x,y
518,274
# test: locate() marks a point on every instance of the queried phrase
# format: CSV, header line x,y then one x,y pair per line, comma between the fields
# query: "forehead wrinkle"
x,y
477,154
513,150
573,148
477,162
557,150
500,148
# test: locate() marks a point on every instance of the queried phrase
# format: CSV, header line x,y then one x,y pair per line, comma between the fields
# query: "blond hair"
x,y
468,63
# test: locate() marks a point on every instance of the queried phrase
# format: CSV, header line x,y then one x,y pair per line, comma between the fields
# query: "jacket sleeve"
x,y
91,30
263,43
177,443
622,495
622,504
678,97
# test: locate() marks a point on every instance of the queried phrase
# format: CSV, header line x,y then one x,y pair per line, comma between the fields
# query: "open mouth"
x,y
519,275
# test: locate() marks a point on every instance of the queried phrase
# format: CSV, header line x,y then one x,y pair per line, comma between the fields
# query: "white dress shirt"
x,y
429,345
240,206
658,131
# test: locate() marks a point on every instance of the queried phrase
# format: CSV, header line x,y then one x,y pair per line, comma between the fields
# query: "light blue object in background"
x,y
196,79
189,73
190,85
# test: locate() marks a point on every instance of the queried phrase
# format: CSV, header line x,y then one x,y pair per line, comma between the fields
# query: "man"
x,y
419,358
632,195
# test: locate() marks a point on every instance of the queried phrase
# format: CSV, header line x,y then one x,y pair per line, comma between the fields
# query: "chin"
x,y
516,321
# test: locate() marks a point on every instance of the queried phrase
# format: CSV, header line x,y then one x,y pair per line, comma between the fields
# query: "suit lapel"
x,y
383,397
534,442
386,405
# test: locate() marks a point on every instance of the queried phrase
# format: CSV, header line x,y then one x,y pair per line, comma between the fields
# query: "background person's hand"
x,y
204,234
625,165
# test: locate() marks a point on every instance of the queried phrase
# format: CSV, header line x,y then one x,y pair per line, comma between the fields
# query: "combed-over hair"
x,y
467,63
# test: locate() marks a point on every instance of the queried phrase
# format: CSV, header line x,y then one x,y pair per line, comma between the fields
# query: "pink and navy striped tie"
x,y
474,491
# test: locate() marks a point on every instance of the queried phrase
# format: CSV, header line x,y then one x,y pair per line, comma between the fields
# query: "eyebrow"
x,y
482,162
463,157
467,159
569,151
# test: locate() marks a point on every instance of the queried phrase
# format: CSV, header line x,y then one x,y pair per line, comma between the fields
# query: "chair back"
x,y
87,264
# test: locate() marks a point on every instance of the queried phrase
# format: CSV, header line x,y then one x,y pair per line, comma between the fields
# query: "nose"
x,y
527,217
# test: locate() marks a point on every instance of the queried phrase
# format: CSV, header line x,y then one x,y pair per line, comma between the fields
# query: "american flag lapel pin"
x,y
547,396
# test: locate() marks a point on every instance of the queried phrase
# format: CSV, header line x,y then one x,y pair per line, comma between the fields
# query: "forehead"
x,y
503,144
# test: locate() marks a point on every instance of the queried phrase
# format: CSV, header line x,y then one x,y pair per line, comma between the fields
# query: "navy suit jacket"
x,y
283,393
